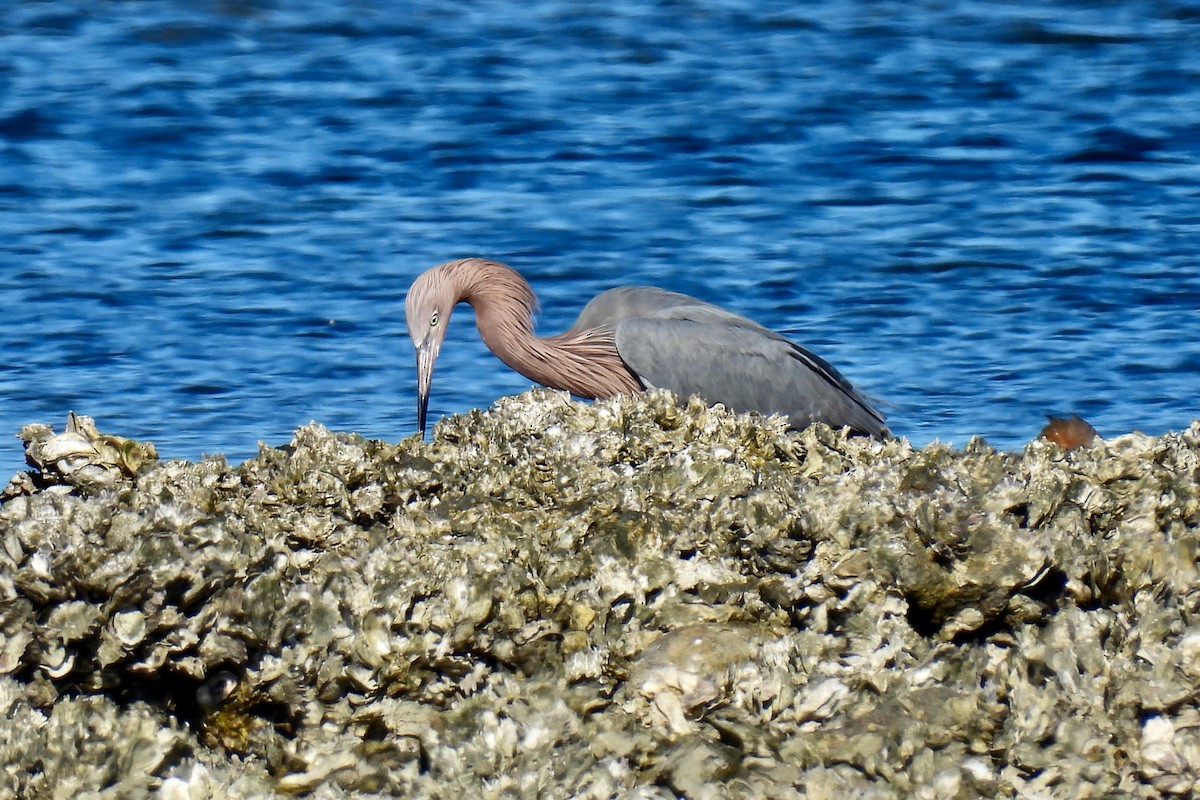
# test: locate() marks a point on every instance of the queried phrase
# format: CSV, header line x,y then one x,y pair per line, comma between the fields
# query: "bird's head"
x,y
427,311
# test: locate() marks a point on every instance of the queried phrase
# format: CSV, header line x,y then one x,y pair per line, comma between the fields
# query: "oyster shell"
x,y
628,598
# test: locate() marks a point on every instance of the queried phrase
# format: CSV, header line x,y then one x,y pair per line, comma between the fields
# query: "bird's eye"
x,y
433,319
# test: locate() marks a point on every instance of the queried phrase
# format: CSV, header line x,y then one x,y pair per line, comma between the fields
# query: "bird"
x,y
634,338
1069,433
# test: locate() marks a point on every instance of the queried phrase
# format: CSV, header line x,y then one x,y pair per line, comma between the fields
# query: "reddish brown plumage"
x,y
584,363
1069,432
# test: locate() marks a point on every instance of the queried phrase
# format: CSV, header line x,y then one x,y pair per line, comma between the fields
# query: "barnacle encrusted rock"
x,y
630,598
80,457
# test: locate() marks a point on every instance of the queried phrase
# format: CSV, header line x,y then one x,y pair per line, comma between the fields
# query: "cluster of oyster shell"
x,y
630,598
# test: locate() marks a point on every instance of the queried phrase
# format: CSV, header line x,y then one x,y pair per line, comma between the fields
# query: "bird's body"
x,y
633,338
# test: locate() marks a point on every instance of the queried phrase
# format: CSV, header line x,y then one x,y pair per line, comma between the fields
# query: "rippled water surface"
x,y
980,212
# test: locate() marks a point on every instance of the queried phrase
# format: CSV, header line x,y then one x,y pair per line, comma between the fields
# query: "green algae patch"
x,y
630,598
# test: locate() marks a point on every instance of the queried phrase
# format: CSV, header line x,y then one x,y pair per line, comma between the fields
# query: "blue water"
x,y
981,212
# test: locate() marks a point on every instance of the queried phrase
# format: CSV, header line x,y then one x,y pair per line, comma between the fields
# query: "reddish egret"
x,y
1069,432
633,338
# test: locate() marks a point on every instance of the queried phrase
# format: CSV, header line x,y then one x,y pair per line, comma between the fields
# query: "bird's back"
x,y
613,306
673,341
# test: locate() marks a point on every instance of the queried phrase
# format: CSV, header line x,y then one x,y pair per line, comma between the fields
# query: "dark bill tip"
x,y
422,412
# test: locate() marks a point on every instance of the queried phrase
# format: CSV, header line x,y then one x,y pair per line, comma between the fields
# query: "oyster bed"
x,y
629,598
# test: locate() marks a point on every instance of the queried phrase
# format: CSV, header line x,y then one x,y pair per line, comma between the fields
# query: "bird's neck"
x,y
584,363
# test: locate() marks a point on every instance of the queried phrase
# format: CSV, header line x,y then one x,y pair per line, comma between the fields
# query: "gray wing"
x,y
724,358
611,307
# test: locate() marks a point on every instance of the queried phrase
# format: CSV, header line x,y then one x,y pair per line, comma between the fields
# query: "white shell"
x,y
129,627
66,445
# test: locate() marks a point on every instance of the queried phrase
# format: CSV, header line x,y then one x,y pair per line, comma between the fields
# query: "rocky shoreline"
x,y
629,598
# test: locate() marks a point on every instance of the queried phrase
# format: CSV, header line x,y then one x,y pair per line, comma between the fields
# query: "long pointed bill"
x,y
425,358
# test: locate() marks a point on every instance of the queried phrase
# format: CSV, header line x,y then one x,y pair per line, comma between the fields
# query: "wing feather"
x,y
699,349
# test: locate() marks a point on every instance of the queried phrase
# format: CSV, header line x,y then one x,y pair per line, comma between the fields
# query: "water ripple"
x,y
981,212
